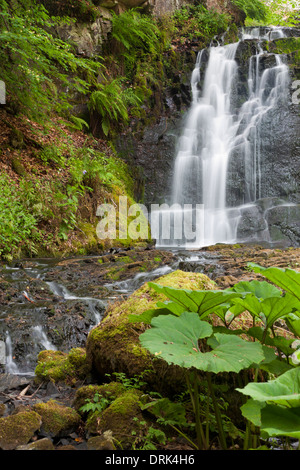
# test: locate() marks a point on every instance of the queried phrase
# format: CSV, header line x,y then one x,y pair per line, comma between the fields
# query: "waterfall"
x,y
218,132
11,366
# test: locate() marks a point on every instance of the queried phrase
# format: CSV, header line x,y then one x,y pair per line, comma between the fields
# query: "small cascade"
x,y
40,338
96,306
218,169
130,285
10,366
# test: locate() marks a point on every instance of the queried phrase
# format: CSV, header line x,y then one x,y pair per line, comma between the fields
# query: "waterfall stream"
x,y
222,129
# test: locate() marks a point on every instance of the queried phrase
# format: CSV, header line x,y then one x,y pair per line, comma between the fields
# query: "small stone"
x,y
41,444
100,443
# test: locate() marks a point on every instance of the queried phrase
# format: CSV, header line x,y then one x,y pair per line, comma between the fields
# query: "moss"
x,y
122,418
111,390
18,167
57,419
285,45
18,429
57,366
113,346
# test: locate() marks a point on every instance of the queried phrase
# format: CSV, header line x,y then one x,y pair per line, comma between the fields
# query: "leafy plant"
x,y
196,21
98,403
274,406
34,62
135,31
16,222
178,341
111,101
254,9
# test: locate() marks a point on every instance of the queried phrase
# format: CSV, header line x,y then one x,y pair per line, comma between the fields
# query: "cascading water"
x,y
218,130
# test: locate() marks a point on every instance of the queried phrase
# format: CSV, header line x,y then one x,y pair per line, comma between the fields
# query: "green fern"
x,y
134,30
112,101
254,9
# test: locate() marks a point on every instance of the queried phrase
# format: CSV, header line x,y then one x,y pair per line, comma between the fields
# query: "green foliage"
x,y
135,31
182,335
98,403
111,100
34,63
274,406
177,341
254,9
275,12
84,10
197,22
16,222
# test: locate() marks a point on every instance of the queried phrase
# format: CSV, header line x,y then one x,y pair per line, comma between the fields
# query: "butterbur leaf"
x,y
284,391
251,410
287,279
270,309
175,339
279,421
201,302
261,289
147,316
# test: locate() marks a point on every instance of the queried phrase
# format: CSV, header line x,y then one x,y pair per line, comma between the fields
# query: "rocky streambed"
x,y
48,309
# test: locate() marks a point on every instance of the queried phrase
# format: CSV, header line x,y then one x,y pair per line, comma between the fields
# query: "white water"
x,y
11,366
215,132
92,303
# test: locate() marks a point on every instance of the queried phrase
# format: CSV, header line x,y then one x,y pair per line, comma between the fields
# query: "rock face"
x,y
88,37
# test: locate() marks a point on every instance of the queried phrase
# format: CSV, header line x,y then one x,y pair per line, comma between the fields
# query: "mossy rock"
x,y
87,393
57,420
113,345
122,418
57,366
18,429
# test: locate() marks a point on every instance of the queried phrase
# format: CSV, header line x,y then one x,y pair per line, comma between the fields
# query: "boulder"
x,y
113,345
57,420
18,429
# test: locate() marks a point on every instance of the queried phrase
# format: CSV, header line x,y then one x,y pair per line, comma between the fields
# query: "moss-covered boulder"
x,y
57,420
18,429
87,393
57,366
122,418
113,345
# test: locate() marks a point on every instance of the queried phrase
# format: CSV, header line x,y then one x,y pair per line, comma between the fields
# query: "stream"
x,y
41,311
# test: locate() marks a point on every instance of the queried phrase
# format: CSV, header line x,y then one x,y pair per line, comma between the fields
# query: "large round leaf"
x,y
284,391
279,421
201,301
175,339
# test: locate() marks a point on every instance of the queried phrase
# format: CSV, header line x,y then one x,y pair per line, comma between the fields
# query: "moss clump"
x,y
57,366
57,419
18,429
111,391
122,418
113,346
